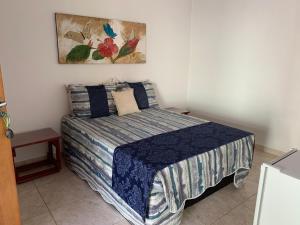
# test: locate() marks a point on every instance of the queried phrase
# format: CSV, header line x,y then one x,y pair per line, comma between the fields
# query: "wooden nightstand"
x,y
178,110
35,137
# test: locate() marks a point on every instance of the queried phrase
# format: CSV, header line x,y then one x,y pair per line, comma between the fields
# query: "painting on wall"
x,y
89,40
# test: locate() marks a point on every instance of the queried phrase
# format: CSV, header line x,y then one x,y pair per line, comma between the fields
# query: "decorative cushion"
x,y
125,102
80,101
140,95
150,93
98,101
111,104
148,88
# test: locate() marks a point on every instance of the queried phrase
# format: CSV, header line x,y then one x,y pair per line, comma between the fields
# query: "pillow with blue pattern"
x,y
81,104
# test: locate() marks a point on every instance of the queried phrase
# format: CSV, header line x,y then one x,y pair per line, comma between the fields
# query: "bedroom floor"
x,y
64,199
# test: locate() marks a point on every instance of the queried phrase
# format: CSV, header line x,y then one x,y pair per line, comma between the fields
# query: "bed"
x,y
89,146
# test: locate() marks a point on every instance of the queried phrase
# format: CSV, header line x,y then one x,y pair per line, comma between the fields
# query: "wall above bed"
x,y
34,81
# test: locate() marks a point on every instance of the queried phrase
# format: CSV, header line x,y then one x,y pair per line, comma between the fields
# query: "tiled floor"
x,y
64,199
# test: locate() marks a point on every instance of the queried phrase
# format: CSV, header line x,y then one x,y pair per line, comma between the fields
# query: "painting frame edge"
x,y
56,14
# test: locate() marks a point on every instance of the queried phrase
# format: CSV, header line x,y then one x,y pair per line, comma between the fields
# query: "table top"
x,y
33,137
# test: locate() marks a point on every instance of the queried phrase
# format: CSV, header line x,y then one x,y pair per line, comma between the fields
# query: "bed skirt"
x,y
86,173
82,168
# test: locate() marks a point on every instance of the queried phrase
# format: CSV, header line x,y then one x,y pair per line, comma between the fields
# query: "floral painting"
x,y
88,40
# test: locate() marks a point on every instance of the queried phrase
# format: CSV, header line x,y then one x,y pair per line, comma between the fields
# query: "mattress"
x,y
89,148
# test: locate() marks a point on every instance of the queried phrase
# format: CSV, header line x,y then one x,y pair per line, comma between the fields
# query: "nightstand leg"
x,y
56,143
50,152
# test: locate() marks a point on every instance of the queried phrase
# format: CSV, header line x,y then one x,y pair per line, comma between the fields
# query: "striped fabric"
x,y
89,145
149,91
80,102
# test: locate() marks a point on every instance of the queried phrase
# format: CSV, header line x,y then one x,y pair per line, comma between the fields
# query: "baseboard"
x,y
269,150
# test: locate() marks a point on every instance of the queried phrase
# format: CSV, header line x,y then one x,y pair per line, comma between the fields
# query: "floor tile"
x,y
188,219
62,175
67,192
251,203
31,205
44,219
122,221
260,157
206,211
254,174
241,215
72,202
223,197
64,188
86,212
25,188
235,196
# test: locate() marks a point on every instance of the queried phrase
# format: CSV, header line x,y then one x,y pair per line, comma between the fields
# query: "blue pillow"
x,y
98,101
140,95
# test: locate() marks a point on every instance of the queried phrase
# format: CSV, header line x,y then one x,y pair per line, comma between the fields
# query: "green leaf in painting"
x,y
125,50
79,53
128,48
96,55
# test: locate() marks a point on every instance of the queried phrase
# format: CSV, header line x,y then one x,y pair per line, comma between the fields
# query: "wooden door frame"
x,y
9,204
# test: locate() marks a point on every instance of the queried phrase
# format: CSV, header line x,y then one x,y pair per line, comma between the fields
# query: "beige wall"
x,y
244,68
34,81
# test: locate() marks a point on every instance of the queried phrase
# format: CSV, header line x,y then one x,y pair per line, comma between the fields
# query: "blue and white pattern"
x,y
148,88
150,93
136,164
90,144
80,101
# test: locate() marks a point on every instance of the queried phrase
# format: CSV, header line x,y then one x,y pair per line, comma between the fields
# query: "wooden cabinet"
x,y
35,137
9,206
278,197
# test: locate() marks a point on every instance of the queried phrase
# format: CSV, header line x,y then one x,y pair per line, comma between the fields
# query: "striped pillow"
x,y
80,102
149,90
150,93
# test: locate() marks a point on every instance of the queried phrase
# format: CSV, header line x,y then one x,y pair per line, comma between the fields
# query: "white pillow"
x,y
125,102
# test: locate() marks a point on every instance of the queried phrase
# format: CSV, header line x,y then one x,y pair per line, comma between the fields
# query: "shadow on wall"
x,y
261,132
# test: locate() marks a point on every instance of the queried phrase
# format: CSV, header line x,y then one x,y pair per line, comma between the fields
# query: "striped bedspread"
x,y
90,144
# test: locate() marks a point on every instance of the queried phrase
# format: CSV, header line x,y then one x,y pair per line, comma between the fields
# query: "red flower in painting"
x,y
133,43
107,48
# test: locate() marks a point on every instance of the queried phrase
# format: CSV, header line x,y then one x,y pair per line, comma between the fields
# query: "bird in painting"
x,y
109,31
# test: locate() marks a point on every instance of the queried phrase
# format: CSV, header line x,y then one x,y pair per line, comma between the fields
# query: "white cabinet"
x,y
278,197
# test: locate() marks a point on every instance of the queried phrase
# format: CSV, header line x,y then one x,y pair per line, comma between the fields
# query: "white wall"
x,y
34,81
244,68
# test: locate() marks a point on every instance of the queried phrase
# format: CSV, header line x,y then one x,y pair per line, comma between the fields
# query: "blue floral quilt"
x,y
136,164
